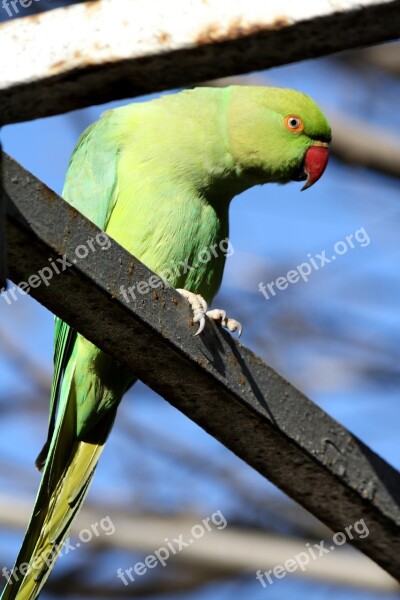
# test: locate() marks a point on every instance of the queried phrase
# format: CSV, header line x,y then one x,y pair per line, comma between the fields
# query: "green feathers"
x,y
158,177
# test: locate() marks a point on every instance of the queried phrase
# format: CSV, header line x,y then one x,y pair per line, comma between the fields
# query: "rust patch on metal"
x,y
233,360
55,67
280,23
163,37
48,194
238,29
34,19
92,6
209,35
201,362
73,213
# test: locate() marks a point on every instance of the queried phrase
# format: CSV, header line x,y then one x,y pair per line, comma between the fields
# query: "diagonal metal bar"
x,y
102,50
211,378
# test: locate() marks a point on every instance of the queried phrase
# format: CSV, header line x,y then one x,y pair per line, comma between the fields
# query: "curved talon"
x,y
201,326
233,326
199,307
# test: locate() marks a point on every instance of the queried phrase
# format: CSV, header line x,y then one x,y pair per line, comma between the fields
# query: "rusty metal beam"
x,y
211,378
102,50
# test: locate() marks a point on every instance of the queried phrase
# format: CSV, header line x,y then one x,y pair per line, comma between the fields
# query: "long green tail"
x,y
85,404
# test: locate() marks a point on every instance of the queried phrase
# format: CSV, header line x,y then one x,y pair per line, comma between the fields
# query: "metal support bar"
x,y
211,378
102,50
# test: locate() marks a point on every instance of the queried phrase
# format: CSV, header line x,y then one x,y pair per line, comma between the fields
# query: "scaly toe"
x,y
233,325
198,306
217,315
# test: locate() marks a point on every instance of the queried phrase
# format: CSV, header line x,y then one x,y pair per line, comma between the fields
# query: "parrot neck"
x,y
184,141
219,173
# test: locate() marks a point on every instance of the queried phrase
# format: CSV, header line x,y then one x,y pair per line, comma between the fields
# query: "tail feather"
x,y
51,523
83,409
66,478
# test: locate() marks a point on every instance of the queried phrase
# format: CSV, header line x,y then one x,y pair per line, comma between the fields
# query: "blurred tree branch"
x,y
21,359
230,550
385,57
358,143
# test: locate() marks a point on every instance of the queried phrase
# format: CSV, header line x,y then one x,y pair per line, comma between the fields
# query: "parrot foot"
x,y
220,316
199,308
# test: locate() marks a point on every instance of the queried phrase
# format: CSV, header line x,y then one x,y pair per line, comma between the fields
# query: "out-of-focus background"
x,y
336,337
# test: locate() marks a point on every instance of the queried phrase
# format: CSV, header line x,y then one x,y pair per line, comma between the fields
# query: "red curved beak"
x,y
315,162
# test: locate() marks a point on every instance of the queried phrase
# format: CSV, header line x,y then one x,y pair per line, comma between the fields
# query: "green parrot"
x,y
158,177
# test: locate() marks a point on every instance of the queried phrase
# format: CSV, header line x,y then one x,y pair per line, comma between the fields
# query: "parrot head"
x,y
278,135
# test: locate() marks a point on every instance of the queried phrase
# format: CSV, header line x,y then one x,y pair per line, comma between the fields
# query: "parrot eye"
x,y
294,124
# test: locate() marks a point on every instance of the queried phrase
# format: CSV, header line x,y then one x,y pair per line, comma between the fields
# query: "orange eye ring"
x,y
294,124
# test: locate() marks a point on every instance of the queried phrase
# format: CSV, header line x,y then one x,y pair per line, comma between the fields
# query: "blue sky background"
x,y
335,337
